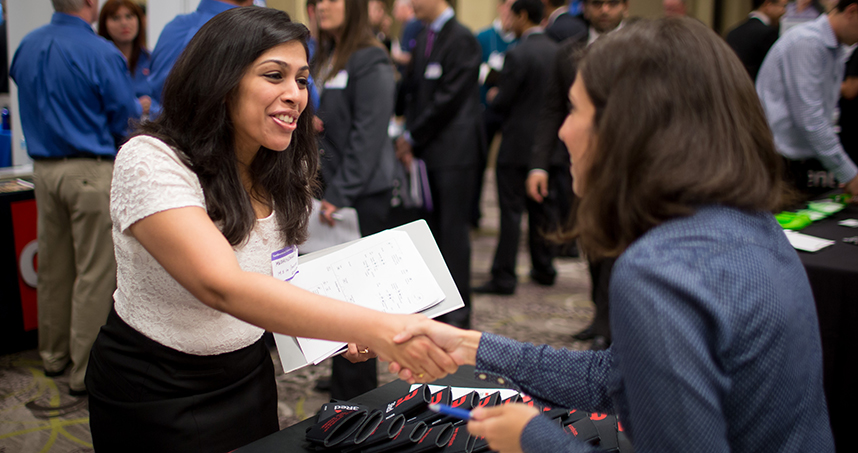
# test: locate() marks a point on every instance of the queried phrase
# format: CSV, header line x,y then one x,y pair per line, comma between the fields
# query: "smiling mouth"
x,y
287,119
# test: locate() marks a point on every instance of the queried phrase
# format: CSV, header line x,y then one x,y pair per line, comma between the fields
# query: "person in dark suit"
x,y
356,80
520,93
549,178
439,97
560,24
753,38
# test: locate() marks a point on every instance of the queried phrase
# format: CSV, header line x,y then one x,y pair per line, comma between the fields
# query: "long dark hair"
x,y
195,120
678,125
356,35
139,46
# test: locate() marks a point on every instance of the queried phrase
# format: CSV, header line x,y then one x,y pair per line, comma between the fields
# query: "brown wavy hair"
x,y
110,8
678,125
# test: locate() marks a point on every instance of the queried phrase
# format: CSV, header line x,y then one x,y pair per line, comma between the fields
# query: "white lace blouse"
x,y
148,177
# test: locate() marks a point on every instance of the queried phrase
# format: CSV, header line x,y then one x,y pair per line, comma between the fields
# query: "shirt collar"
x,y
68,19
761,17
532,31
553,17
594,35
214,6
441,20
828,36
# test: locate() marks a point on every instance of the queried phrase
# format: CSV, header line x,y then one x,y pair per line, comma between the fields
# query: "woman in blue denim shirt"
x,y
716,343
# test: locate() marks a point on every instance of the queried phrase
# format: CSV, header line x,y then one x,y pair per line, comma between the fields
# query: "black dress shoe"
x,y
490,287
53,374
584,335
543,279
600,343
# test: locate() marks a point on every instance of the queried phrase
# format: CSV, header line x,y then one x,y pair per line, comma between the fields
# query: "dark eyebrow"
x,y
284,64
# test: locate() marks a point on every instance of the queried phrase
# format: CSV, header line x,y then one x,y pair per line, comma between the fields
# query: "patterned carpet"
x,y
38,415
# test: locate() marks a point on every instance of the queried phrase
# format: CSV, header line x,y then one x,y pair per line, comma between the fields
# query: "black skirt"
x,y
144,396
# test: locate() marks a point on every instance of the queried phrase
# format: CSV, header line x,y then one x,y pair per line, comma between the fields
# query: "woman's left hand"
x,y
359,353
502,425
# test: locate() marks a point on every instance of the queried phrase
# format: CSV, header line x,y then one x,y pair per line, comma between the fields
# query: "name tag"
x,y
338,82
284,263
433,71
496,61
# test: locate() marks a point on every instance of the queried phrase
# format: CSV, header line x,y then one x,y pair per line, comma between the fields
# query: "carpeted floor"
x,y
38,415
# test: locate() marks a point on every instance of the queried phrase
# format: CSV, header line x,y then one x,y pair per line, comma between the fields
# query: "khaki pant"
x,y
76,266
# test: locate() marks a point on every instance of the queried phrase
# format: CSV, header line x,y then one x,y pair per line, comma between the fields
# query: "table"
x,y
833,275
291,439
18,319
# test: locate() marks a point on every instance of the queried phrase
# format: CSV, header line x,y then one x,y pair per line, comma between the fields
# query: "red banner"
x,y
26,248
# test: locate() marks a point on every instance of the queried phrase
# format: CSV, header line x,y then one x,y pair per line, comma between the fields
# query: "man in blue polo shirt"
x,y
178,33
75,99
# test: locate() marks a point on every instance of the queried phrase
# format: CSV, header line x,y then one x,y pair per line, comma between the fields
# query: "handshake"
x,y
419,350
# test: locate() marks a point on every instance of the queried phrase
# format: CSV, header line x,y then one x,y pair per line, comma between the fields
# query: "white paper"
x,y
322,236
805,242
291,356
851,223
384,272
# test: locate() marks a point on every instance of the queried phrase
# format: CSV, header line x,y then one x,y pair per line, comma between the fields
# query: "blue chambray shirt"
x,y
175,37
799,87
716,346
74,91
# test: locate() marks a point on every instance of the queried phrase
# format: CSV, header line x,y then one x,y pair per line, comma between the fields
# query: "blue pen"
x,y
451,411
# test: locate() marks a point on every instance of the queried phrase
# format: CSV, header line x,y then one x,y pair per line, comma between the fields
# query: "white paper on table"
x,y
458,392
384,272
851,223
322,236
805,242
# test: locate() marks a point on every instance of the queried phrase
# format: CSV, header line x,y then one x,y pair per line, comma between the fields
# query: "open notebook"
x,y
396,271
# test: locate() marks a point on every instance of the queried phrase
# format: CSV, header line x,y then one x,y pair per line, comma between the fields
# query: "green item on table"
x,y
814,215
841,198
792,220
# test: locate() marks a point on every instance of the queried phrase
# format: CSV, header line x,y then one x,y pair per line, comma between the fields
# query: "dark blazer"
x,y
752,40
564,27
548,150
357,155
441,101
521,88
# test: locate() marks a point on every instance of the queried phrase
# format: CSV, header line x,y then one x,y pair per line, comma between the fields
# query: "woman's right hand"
x,y
460,344
425,360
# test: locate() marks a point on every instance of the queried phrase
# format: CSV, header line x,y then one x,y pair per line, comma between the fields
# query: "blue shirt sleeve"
x,y
558,378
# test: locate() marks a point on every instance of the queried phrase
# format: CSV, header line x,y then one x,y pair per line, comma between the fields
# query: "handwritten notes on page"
x,y
384,272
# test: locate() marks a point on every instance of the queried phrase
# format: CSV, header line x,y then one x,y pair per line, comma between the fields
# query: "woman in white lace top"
x,y
203,200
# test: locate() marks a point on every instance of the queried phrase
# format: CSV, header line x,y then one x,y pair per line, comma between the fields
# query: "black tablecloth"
x,y
291,439
833,275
